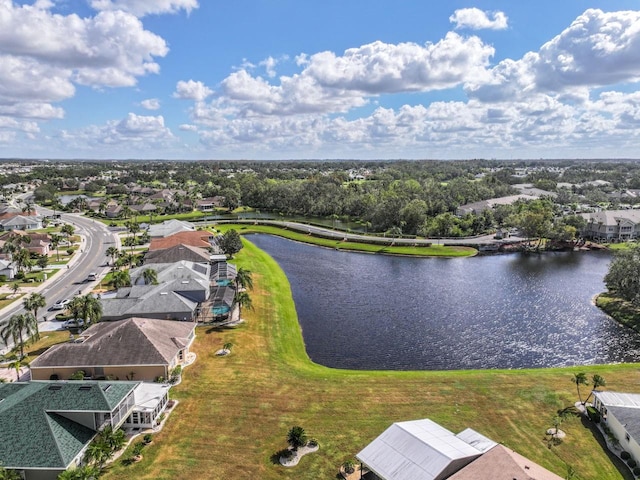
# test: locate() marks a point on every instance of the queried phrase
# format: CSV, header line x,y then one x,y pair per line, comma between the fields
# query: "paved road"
x,y
339,235
96,238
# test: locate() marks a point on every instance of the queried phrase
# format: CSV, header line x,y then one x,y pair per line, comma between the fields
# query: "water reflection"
x,y
510,311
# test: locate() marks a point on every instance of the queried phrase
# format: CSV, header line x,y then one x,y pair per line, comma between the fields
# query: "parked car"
x,y
73,323
61,304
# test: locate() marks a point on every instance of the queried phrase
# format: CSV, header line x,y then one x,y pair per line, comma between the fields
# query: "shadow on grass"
x,y
615,460
219,328
275,458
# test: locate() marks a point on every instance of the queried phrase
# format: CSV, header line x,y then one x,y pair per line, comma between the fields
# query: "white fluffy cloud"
x,y
140,8
476,19
150,104
192,90
44,55
597,49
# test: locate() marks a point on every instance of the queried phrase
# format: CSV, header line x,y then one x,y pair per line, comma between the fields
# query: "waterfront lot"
x,y
235,411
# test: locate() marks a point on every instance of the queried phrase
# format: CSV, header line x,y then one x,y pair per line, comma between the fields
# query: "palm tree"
x,y
596,381
33,303
244,301
244,279
22,259
150,276
55,243
6,474
17,363
16,328
296,437
15,286
86,472
112,252
227,346
68,230
580,379
121,279
90,309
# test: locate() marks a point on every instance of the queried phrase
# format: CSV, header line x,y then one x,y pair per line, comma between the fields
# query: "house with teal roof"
x,y
46,426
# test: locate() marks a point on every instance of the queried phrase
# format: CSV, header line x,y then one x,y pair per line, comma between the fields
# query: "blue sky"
x,y
291,79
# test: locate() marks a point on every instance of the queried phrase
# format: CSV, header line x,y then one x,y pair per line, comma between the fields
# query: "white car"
x,y
61,304
73,323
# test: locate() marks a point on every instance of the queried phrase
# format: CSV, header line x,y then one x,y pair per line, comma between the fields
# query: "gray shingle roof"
x,y
134,341
176,254
34,433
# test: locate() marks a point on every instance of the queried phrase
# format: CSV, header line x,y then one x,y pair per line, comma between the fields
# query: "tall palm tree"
x,y
244,301
580,379
55,243
596,381
75,307
15,286
22,259
150,276
16,328
112,252
68,230
33,303
244,279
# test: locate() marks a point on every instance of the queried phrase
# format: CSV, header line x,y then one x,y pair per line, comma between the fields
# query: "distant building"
x,y
612,225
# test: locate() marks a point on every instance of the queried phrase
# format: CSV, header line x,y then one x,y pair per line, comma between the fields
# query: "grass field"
x,y
432,251
234,412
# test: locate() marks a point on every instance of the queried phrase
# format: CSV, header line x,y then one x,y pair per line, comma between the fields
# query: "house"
x,y
199,238
137,348
209,204
620,412
169,227
501,462
46,427
38,242
612,225
424,450
21,222
177,253
113,211
223,272
181,288
478,207
7,269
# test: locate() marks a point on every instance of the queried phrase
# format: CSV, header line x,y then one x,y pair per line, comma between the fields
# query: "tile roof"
x,y
34,431
193,238
134,341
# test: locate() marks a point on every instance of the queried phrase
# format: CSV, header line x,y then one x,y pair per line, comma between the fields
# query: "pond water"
x,y
362,311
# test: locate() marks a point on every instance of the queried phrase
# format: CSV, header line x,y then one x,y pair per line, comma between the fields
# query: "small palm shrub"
x,y
296,437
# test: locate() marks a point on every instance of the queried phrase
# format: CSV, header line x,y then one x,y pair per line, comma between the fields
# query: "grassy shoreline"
x,y
234,411
620,310
418,251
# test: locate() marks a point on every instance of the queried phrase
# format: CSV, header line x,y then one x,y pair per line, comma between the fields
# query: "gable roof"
x,y
34,431
181,270
134,341
149,300
420,450
501,463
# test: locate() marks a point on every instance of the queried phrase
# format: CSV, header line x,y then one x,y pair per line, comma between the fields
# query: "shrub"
x,y
19,275
69,251
632,463
625,455
79,375
147,438
312,443
594,415
3,278
159,379
636,471
137,449
296,437
349,466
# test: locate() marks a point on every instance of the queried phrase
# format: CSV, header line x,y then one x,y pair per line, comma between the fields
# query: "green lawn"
x,y
234,412
418,251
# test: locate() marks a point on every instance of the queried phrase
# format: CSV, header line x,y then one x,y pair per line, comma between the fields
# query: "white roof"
x,y
617,399
420,450
147,396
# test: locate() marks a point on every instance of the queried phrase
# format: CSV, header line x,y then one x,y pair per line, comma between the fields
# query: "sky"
x,y
330,79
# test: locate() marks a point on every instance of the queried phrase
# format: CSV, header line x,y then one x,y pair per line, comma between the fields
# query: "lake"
x,y
365,312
